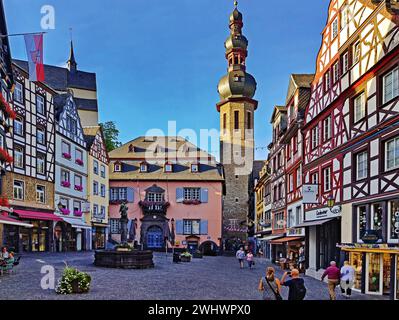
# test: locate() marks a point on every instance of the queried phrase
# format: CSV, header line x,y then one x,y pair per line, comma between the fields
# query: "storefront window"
x,y
386,275
393,210
377,217
362,221
374,272
356,261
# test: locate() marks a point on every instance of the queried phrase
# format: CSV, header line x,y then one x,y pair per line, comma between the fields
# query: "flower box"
x,y
79,188
77,213
5,157
66,155
192,202
8,111
79,162
65,184
65,211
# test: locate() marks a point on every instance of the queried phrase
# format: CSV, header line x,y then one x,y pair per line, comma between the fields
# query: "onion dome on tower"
x,y
237,82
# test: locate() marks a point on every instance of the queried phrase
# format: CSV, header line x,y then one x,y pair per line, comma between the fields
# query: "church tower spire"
x,y
72,65
236,107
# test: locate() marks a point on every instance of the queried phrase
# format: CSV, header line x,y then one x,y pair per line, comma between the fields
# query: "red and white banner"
x,y
34,50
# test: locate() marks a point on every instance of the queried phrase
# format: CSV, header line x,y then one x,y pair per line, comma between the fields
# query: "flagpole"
x,y
20,34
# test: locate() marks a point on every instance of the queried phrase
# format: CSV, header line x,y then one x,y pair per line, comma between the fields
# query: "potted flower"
x,y
79,162
65,184
65,211
5,107
66,155
73,281
186,257
77,213
4,202
5,157
78,188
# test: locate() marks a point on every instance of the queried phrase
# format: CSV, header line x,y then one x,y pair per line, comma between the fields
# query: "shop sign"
x,y
323,213
370,236
309,193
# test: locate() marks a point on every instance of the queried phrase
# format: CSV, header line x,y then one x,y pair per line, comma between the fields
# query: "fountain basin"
x,y
135,259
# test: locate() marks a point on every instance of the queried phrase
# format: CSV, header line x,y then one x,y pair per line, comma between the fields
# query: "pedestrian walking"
x,y
296,285
240,255
270,286
250,259
333,275
347,279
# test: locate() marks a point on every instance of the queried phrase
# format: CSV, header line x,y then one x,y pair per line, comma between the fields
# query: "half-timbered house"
x,y
97,186
277,179
73,233
351,143
29,181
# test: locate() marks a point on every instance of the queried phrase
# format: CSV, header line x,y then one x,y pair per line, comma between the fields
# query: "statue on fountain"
x,y
124,220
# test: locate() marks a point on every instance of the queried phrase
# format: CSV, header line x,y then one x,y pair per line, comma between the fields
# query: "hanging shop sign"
x,y
371,236
309,193
323,213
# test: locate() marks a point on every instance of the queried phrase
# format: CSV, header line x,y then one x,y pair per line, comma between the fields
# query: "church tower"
x,y
236,108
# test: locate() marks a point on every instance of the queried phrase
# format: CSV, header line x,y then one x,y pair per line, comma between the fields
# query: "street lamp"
x,y
330,201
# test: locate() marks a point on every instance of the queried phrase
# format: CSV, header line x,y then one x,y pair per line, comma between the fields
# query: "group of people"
x,y
6,257
242,256
343,277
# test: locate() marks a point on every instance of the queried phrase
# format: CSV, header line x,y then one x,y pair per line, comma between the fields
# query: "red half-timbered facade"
x,y
351,142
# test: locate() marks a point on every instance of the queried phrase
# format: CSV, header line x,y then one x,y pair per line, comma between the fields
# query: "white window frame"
x,y
394,74
168,167
361,174
77,152
19,92
315,137
390,240
336,72
102,171
65,147
95,188
143,167
327,128
327,80
19,157
117,167
327,179
41,164
18,190
358,222
357,51
19,126
102,190
41,133
40,102
298,177
395,152
40,194
191,227
345,62
291,182
334,28
95,167
115,226
194,167
359,114
78,178
344,16
155,197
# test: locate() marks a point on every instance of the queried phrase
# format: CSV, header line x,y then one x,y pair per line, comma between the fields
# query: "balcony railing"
x,y
150,207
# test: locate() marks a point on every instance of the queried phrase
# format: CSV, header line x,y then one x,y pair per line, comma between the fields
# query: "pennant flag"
x,y
34,50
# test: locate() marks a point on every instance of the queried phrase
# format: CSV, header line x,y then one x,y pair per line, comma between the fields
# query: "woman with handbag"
x,y
270,286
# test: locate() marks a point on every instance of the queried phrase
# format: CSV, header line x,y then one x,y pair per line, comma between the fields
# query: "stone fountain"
x,y
124,256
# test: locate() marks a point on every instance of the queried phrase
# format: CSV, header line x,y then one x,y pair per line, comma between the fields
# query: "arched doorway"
x,y
209,248
155,238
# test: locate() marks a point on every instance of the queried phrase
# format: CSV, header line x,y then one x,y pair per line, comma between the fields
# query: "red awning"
x,y
35,215
4,219
285,239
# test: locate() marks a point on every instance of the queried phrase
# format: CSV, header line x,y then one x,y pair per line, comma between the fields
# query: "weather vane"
x,y
236,3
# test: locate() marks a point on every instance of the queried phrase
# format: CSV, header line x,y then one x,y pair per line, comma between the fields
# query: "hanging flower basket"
x,y
8,111
5,157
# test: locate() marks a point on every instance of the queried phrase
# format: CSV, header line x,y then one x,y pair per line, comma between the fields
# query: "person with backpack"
x,y
333,275
240,255
296,285
270,286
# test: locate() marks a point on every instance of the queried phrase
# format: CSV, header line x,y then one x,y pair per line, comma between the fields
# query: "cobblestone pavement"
x,y
210,278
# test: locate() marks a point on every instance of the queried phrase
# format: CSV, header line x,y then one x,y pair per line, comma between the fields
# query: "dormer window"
x,y
168,167
194,167
131,149
117,167
143,167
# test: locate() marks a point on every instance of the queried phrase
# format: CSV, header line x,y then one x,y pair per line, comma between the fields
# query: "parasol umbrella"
x,y
132,230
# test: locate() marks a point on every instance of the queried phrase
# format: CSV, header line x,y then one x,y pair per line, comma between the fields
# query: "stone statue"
x,y
124,220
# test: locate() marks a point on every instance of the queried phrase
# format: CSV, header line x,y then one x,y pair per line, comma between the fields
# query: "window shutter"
x,y
179,226
130,195
204,195
179,195
204,227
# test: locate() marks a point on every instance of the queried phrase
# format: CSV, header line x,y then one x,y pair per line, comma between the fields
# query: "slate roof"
x,y
297,81
90,135
169,149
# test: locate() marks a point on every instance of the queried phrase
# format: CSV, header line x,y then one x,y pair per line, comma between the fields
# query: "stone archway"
x,y
209,248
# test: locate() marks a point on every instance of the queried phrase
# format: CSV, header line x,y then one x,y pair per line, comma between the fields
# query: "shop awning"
x,y
100,225
286,239
10,221
76,223
36,215
271,237
313,223
370,250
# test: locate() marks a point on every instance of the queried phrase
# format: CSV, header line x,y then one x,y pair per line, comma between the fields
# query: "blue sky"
x,y
160,60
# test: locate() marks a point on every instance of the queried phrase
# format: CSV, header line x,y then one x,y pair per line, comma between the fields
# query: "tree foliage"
x,y
111,135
